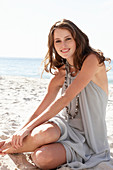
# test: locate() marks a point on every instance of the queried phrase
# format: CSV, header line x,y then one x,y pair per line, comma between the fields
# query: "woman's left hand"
x,y
17,138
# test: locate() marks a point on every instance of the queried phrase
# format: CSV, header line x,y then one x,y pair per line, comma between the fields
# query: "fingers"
x,y
17,141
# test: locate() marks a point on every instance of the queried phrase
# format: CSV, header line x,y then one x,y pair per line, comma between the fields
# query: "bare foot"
x,y
1,143
1,146
6,148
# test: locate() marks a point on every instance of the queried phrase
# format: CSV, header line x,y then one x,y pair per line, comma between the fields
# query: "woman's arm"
x,y
53,88
88,71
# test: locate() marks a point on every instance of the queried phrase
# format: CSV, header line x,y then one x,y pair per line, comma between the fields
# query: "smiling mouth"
x,y
65,50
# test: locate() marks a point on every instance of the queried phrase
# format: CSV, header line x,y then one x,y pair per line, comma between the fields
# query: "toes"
x,y
2,143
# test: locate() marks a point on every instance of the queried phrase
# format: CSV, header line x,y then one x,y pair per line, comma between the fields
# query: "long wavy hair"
x,y
53,60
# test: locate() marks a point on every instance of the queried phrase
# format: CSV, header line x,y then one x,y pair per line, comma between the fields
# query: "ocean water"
x,y
27,67
30,67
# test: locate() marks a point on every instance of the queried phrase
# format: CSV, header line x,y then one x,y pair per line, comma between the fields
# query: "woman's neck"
x,y
72,70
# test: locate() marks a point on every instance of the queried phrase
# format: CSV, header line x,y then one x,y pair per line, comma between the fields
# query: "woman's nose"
x,y
63,44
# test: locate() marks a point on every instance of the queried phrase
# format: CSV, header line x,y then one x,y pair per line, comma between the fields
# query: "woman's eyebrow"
x,y
64,37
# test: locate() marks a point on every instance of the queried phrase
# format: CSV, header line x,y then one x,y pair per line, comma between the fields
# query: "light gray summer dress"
x,y
85,136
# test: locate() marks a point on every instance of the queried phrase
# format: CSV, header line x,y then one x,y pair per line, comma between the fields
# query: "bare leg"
x,y
41,135
49,156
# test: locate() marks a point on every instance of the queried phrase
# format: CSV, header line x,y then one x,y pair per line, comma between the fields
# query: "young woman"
x,y
70,130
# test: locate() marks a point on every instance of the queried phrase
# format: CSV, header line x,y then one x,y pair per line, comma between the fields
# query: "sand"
x,y
19,98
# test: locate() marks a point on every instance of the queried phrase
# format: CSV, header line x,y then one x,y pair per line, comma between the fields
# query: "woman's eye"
x,y
58,41
68,38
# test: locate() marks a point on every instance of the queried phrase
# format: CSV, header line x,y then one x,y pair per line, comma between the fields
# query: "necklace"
x,y
73,72
77,97
69,65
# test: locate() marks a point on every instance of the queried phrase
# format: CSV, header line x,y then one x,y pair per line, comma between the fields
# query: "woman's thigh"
x,y
46,133
49,156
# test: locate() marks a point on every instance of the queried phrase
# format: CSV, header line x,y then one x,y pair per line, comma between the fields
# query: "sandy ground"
x,y
19,98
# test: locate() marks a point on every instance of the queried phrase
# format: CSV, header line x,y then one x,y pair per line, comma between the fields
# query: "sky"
x,y
25,24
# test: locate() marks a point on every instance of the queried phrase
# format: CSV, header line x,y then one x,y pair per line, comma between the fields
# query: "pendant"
x,y
77,99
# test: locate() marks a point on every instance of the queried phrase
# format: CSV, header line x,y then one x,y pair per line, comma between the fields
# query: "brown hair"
x,y
53,60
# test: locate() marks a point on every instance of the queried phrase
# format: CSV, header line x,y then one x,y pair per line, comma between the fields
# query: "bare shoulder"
x,y
100,76
90,61
90,67
58,78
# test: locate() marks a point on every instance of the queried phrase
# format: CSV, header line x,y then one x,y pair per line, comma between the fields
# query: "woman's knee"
x,y
48,132
42,158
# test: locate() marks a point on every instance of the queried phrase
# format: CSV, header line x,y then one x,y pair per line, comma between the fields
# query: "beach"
x,y
19,98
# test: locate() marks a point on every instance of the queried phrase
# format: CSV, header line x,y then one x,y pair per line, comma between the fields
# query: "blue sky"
x,y
25,24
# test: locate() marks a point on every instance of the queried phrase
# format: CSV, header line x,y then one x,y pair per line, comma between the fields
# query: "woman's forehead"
x,y
61,32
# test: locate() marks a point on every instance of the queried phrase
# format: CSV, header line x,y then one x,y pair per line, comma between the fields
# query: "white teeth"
x,y
65,50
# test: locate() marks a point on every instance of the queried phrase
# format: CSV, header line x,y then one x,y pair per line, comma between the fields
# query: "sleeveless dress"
x,y
85,136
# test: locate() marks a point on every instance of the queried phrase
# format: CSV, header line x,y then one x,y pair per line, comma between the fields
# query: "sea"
x,y
31,67
25,67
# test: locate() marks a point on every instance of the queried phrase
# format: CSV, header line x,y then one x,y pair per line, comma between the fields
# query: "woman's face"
x,y
64,44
